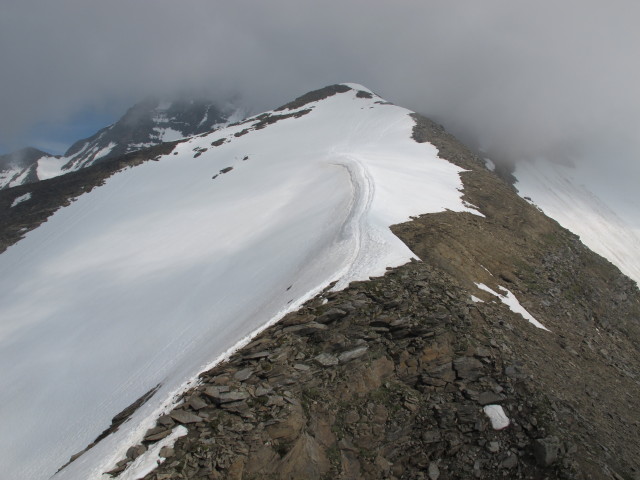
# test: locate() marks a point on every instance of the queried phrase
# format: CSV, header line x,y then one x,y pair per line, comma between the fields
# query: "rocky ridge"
x,y
391,378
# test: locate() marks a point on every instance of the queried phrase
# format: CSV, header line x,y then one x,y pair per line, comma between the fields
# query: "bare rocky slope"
x,y
388,378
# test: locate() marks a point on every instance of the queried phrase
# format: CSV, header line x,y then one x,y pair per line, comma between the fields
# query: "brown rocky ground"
x,y
388,378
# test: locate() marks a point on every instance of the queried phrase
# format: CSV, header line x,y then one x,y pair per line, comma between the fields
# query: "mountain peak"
x,y
322,93
150,122
19,167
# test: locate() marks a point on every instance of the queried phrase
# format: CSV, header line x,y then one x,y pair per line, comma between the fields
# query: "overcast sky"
x,y
518,78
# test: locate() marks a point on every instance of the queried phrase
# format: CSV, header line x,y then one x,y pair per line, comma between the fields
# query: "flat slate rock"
x,y
182,416
352,354
327,359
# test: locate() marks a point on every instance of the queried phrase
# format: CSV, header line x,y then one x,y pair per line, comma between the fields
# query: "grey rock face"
x,y
327,360
182,416
352,354
546,450
467,368
487,398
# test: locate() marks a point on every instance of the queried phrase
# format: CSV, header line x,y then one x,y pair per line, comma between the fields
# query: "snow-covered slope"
x,y
584,203
146,124
153,276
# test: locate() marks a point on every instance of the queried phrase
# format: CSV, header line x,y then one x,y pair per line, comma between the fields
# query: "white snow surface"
x,y
149,460
161,272
498,418
586,201
103,151
19,179
8,175
20,199
49,167
169,134
489,164
510,300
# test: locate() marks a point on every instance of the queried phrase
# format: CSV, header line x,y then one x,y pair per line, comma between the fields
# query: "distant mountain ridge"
x,y
148,123
19,167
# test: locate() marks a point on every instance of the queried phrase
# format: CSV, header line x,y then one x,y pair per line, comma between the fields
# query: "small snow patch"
x,y
104,152
21,198
471,206
170,135
499,419
490,165
148,461
476,299
140,146
510,300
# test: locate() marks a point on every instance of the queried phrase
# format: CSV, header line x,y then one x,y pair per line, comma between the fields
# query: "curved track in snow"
x,y
354,227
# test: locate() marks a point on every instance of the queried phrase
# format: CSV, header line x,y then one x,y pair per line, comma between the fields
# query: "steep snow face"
x,y
157,274
582,202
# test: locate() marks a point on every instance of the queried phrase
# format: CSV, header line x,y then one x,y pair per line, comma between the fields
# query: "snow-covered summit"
x,y
153,276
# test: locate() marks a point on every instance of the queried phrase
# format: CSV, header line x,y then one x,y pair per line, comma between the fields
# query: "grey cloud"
x,y
516,78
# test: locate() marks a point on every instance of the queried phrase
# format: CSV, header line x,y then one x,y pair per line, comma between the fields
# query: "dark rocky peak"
x,y
20,167
314,96
21,158
146,124
322,93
